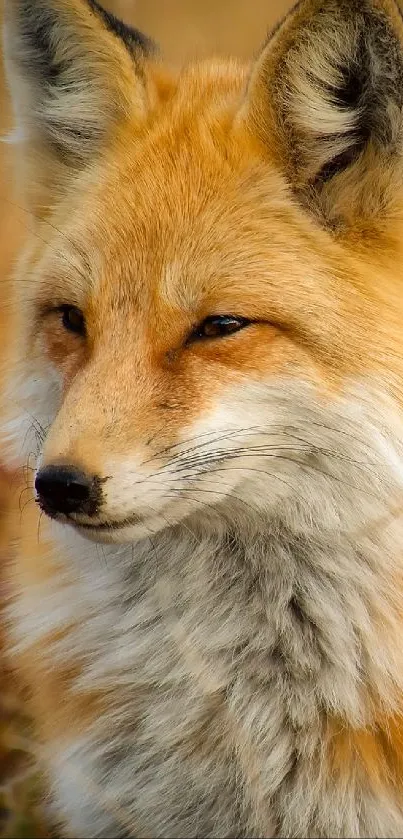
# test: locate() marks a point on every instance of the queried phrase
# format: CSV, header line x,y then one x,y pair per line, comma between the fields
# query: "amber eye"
x,y
218,326
72,319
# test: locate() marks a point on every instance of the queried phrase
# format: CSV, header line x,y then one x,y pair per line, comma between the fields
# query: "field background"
x,y
184,29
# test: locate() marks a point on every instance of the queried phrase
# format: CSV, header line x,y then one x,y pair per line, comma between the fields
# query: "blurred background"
x,y
184,29
188,28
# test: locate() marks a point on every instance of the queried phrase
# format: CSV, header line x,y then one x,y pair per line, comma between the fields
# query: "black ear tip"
x,y
133,39
50,51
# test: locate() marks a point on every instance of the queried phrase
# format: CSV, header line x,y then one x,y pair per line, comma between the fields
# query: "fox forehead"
x,y
187,214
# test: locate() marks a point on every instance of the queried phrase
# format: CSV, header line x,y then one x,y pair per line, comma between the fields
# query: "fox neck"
x,y
255,637
317,613
312,613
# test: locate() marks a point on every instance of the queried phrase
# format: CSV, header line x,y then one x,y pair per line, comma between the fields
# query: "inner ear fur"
x,y
325,97
74,71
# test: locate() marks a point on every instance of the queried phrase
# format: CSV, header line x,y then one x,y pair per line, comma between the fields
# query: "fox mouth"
x,y
104,526
107,525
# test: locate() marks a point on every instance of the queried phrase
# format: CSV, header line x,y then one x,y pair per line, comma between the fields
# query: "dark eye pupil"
x,y
217,326
73,319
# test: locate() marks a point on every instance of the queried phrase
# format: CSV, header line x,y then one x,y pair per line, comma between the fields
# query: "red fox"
x,y
206,388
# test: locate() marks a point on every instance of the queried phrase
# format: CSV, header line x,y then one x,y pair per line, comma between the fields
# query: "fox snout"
x,y
64,489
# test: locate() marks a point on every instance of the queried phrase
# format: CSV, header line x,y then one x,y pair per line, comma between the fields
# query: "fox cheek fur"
x,y
208,367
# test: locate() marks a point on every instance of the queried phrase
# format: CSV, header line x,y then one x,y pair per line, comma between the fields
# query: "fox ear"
x,y
326,99
74,71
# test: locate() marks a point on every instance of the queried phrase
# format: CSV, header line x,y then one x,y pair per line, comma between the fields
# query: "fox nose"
x,y
65,489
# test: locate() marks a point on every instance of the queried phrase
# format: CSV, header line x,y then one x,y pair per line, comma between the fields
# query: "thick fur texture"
x,y
214,648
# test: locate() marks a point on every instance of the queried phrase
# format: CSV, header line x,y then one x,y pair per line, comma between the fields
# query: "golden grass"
x,y
20,793
21,813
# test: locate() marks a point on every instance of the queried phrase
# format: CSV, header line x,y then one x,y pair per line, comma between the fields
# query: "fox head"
x,y
210,304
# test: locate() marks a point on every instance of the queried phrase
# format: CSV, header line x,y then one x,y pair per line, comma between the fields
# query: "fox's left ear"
x,y
326,99
75,72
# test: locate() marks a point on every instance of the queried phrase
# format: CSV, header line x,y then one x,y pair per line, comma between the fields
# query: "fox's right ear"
x,y
74,71
325,97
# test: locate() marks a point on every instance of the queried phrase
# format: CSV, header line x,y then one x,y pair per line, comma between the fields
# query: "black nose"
x,y
64,489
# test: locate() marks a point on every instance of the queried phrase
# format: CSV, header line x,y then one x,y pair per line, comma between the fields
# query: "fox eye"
x,y
73,319
218,326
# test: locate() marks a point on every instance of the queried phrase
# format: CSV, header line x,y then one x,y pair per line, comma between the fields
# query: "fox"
x,y
205,395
